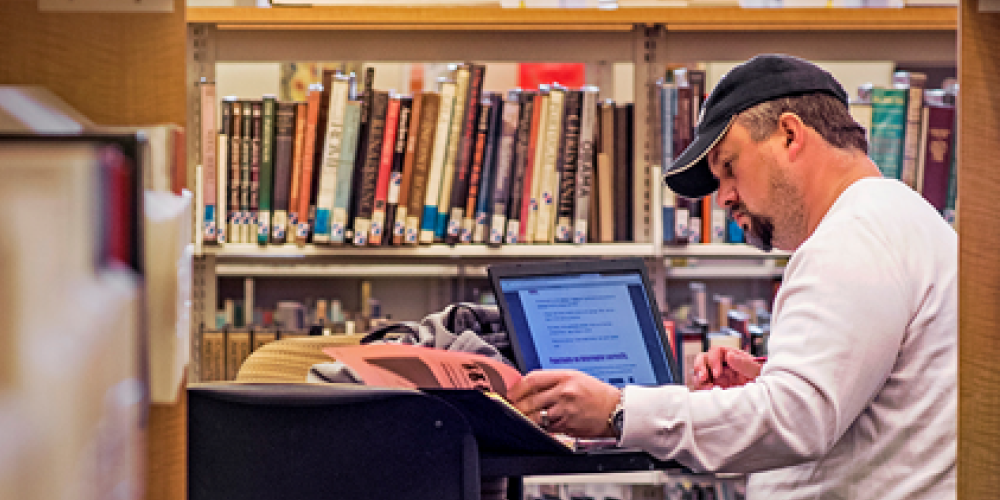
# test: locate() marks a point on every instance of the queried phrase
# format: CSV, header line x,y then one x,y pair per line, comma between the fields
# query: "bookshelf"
x,y
647,38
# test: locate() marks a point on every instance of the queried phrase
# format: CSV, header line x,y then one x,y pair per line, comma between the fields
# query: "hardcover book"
x,y
345,172
406,180
533,168
467,143
222,171
270,108
235,149
504,166
462,89
365,202
256,133
442,133
308,161
332,148
937,154
295,186
475,174
548,179
481,221
585,159
283,152
568,167
519,164
246,161
914,83
888,130
423,145
388,147
209,134
393,230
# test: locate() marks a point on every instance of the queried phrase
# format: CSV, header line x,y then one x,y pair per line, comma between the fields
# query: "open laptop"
x,y
597,316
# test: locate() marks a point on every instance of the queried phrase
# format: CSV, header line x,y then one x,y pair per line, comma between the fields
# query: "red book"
x,y
384,169
308,156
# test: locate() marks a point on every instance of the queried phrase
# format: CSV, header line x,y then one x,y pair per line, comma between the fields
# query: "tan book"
x,y
606,208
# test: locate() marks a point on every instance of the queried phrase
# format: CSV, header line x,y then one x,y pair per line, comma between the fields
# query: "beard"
x,y
759,232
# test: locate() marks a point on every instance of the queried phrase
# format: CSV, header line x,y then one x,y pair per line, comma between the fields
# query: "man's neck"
x,y
840,170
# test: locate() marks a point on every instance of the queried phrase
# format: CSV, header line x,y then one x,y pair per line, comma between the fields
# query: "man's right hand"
x,y
724,367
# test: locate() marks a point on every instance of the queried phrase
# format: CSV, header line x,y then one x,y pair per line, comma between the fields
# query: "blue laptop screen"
x,y
598,323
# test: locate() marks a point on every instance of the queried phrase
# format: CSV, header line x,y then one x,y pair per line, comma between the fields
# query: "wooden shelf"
x,y
439,251
494,19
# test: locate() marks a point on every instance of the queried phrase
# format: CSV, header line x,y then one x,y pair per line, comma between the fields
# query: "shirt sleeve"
x,y
840,319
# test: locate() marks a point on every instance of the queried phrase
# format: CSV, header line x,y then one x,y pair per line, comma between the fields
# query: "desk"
x,y
333,441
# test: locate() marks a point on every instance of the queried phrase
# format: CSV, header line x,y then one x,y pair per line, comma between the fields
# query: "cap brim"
x,y
690,176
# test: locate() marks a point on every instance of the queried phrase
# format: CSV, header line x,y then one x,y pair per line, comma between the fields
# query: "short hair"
x,y
823,112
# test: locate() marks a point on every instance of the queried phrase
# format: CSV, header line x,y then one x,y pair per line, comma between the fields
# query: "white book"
x,y
536,172
331,158
549,177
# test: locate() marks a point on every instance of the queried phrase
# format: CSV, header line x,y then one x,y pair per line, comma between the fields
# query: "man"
x,y
858,397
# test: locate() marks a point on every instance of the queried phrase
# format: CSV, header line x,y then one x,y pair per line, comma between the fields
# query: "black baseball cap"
x,y
761,79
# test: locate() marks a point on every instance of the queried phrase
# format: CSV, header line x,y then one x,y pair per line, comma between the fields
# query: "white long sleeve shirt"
x,y
858,398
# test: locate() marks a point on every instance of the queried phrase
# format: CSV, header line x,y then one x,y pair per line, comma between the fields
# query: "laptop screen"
x,y
599,322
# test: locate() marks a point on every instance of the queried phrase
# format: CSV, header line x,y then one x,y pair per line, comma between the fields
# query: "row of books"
x,y
221,352
912,135
456,165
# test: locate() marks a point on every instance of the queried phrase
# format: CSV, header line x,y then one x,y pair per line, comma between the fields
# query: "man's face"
x,y
757,190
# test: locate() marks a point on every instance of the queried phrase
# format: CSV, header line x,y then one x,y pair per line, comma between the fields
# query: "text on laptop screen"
x,y
598,323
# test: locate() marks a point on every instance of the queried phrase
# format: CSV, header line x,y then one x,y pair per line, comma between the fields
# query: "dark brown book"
x,y
607,173
283,150
245,148
396,174
235,147
475,173
423,147
466,150
594,223
937,154
519,163
369,174
360,158
406,177
623,176
567,166
504,169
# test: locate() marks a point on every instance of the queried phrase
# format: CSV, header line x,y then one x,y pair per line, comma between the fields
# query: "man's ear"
x,y
793,134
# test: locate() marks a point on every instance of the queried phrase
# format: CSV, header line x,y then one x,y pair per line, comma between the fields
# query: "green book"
x,y
888,130
266,169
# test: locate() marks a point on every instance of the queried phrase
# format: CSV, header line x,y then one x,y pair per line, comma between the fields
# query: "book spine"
x,y
366,99
428,222
481,220
533,169
888,130
365,204
694,221
519,164
246,152
548,180
475,173
570,166
332,147
222,172
406,181
270,105
345,172
462,88
393,225
384,170
209,134
937,155
256,131
322,120
668,201
504,166
585,160
235,147
911,135
606,173
468,136
295,188
284,139
423,149
623,170
308,156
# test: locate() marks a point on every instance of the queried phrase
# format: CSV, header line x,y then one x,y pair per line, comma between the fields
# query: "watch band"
x,y
617,419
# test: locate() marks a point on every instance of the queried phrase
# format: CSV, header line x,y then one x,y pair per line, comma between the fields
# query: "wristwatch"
x,y
617,419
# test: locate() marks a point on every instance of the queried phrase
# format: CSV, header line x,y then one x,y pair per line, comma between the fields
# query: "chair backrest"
x,y
289,359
